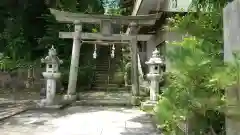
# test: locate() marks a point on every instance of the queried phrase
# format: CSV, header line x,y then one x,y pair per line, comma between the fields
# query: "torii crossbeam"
x,y
113,37
106,22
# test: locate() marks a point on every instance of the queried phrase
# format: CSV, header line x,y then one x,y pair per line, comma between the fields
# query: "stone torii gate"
x,y
105,35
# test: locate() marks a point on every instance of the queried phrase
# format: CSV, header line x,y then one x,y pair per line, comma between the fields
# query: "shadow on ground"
x,y
80,120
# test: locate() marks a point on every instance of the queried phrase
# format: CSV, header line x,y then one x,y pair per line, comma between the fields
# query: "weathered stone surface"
x,y
231,21
105,98
9,109
80,121
5,79
136,100
148,105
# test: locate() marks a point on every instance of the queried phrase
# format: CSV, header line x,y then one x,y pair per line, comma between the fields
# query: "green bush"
x,y
85,75
118,78
194,88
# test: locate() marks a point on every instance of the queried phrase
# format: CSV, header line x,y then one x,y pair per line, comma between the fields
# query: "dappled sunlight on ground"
x,y
80,121
76,120
118,95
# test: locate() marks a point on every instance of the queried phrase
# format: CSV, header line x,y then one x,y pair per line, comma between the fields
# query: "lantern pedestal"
x,y
154,86
69,97
148,105
54,76
51,87
135,100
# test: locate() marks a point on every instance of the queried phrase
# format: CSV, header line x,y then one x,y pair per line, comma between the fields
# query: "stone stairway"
x,y
104,98
102,73
105,67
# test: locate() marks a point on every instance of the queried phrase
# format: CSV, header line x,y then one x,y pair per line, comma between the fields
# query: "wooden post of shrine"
x,y
134,63
73,73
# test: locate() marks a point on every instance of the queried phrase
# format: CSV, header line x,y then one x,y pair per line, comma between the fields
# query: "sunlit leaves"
x,y
206,25
198,74
195,80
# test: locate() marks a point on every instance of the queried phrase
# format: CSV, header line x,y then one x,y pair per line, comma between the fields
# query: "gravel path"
x,y
80,120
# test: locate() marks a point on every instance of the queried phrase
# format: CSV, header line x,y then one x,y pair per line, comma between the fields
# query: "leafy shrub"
x,y
85,75
194,89
118,78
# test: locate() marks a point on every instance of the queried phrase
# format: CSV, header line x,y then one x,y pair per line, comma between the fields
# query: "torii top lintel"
x,y
68,17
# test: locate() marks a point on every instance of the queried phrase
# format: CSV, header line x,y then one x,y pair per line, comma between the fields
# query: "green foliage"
x,y
206,23
84,76
85,69
118,78
15,44
165,111
194,86
29,27
28,30
115,11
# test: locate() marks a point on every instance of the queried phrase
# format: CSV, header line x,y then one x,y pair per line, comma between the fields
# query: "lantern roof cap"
x,y
155,59
52,57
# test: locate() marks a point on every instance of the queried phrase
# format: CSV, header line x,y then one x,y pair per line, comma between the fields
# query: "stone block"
x,y
231,21
69,97
5,79
148,105
135,100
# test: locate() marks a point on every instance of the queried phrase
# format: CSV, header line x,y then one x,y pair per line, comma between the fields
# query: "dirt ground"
x,y
11,95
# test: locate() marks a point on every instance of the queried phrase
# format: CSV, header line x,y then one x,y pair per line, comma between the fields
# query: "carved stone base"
x,y
44,102
69,97
148,105
135,100
49,107
44,105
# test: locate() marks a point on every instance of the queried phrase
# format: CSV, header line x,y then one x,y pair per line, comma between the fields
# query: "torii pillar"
x,y
106,22
134,62
73,73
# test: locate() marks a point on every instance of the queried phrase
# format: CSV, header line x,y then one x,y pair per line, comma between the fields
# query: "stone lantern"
x,y
51,75
155,76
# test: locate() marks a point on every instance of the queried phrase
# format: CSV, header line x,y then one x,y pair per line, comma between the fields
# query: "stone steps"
x,y
101,74
102,102
108,88
103,79
104,98
107,85
100,83
103,71
103,64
